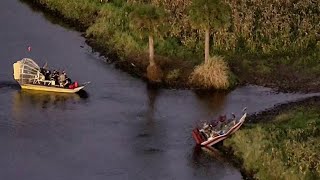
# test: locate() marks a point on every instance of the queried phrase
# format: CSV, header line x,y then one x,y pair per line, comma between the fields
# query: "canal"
x,y
119,129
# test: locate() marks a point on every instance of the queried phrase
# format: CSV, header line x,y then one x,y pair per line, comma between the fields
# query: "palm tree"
x,y
209,15
147,20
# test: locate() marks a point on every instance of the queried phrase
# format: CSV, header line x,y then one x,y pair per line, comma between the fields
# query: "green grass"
x,y
107,24
286,147
83,11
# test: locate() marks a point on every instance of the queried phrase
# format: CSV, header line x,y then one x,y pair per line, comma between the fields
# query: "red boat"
x,y
212,133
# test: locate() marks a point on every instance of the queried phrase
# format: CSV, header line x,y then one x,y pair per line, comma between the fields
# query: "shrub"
x,y
173,75
154,73
212,74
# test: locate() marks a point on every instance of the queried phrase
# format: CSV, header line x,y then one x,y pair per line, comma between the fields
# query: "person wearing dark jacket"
x,y
68,82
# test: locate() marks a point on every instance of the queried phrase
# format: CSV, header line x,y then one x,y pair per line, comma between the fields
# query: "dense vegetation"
x,y
282,146
259,38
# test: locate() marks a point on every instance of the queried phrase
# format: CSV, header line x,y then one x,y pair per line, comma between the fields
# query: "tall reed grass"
x,y
213,74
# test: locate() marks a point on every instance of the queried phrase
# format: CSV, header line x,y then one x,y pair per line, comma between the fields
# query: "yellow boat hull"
x,y
50,88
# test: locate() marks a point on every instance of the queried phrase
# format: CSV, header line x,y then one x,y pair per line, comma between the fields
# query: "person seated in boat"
x,y
206,130
43,71
233,116
205,126
47,75
232,121
62,79
55,73
55,76
214,134
67,83
222,120
215,124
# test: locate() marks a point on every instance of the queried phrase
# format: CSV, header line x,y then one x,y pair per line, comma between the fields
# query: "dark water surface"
x,y
120,130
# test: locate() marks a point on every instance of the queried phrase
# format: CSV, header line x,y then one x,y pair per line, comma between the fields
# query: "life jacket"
x,y
76,84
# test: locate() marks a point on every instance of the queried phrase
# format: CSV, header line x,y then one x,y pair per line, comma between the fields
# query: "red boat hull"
x,y
197,136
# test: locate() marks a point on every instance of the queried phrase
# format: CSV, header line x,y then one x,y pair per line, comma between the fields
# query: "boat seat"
x,y
48,82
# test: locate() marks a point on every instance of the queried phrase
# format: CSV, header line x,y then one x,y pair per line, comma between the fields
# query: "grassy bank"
x,y
285,144
266,43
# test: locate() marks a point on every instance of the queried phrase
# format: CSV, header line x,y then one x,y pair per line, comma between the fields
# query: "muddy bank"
x,y
268,114
136,66
283,80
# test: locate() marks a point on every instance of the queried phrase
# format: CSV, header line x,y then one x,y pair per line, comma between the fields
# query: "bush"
x,y
154,73
213,74
173,75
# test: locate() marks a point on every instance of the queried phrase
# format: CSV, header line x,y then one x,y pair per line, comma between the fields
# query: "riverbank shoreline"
x,y
272,115
177,71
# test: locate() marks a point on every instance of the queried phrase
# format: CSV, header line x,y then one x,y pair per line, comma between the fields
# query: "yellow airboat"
x,y
28,74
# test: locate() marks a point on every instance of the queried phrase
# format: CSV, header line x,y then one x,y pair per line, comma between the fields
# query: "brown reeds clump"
x,y
154,73
213,74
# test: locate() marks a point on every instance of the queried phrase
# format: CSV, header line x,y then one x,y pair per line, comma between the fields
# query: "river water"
x,y
119,129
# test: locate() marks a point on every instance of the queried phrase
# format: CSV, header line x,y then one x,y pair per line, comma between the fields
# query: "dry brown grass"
x,y
213,74
154,73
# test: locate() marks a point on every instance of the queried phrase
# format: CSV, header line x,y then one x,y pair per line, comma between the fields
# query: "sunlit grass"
x,y
287,147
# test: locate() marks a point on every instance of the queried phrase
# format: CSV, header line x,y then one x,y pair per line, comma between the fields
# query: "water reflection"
x,y
35,111
44,100
212,101
152,93
149,128
206,162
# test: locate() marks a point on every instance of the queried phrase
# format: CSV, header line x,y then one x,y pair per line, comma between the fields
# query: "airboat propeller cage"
x,y
27,71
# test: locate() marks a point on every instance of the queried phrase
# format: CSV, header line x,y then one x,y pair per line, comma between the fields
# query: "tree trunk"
x,y
154,72
206,46
151,51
